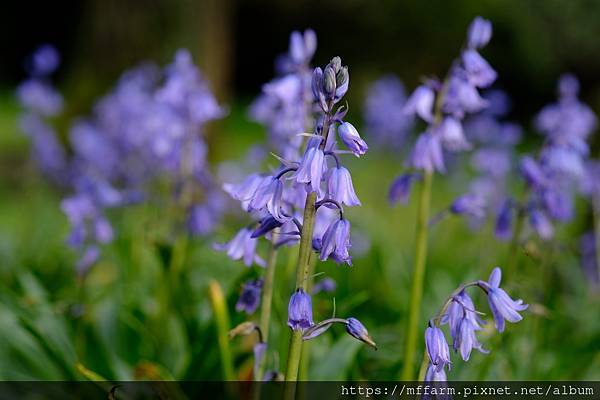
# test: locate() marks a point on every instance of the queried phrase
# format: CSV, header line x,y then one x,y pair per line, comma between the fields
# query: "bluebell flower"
x,y
266,225
47,151
385,120
400,188
421,103
44,61
479,72
204,218
434,374
244,191
427,154
269,196
90,256
558,204
463,322
336,242
350,137
302,47
300,311
326,285
540,222
462,96
356,329
532,172
502,306
452,135
340,188
259,350
437,347
250,297
40,97
311,167
504,218
479,33
242,246
469,204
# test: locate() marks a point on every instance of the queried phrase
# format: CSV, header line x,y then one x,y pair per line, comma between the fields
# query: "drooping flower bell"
x,y
336,242
250,297
463,321
300,310
356,329
242,246
340,188
312,167
502,306
350,137
437,347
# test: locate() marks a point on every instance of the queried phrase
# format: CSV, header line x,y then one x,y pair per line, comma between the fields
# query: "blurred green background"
x,y
50,322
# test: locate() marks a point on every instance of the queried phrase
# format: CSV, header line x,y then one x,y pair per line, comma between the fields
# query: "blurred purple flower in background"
x,y
250,297
385,121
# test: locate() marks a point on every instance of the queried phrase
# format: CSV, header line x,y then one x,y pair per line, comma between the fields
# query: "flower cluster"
x,y
148,129
41,102
285,106
463,320
443,105
311,183
560,168
277,200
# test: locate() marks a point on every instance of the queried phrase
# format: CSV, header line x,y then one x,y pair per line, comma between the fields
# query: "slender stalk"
x,y
304,362
217,300
266,299
303,268
416,291
513,252
302,275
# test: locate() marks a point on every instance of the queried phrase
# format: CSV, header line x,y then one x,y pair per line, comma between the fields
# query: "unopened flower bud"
x,y
329,83
336,64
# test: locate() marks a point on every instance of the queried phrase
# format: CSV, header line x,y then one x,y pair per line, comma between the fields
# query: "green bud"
x,y
329,84
336,64
342,76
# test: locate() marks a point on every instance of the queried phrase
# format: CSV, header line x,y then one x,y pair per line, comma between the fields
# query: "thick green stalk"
x,y
266,300
217,300
416,291
302,275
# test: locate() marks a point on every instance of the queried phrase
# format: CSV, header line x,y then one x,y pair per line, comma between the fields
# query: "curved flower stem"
x,y
436,320
302,276
217,301
416,292
266,300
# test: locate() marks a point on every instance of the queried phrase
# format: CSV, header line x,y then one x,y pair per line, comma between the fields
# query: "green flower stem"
x,y
436,320
302,275
416,291
513,252
266,300
305,361
217,301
